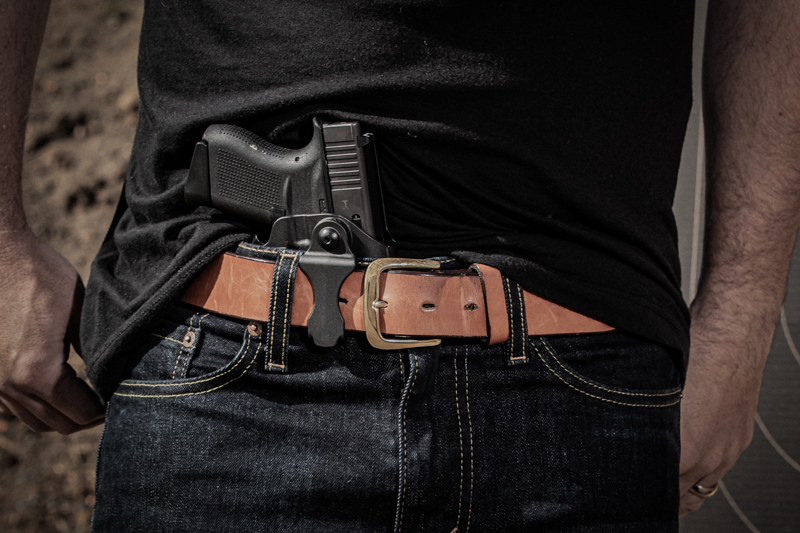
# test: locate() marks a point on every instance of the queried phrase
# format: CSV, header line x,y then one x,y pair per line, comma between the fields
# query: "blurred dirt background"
x,y
80,129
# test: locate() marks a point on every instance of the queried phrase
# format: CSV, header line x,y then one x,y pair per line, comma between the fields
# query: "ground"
x,y
81,126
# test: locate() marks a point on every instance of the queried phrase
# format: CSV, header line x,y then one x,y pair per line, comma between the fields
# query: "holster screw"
x,y
329,238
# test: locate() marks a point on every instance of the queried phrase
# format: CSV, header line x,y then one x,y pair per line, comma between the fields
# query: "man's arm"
x,y
751,85
40,292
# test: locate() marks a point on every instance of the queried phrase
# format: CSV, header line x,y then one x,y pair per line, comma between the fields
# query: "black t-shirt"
x,y
543,138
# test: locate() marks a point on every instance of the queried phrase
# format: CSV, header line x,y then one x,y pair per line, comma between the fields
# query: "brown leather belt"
x,y
443,303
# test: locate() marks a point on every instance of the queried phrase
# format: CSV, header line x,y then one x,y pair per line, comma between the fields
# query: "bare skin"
x,y
751,102
41,291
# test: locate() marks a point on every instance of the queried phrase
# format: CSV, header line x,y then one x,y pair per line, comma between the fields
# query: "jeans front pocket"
x,y
612,367
189,353
239,448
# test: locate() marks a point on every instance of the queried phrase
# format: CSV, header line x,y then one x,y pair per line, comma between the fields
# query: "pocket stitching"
x,y
189,355
570,385
184,384
183,345
598,386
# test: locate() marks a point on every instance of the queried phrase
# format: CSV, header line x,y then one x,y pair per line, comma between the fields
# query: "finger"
x,y
75,399
74,326
705,477
61,400
46,413
45,404
689,478
60,422
689,503
4,409
25,416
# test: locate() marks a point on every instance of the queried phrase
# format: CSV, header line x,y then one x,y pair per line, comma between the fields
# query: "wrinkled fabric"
x,y
542,138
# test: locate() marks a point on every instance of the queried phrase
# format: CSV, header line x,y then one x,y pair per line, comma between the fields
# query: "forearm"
x,y
752,112
751,105
21,28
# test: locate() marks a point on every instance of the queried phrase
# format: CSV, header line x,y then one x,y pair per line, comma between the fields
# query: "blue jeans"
x,y
207,435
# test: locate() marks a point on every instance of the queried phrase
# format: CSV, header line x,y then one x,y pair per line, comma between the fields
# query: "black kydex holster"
x,y
324,198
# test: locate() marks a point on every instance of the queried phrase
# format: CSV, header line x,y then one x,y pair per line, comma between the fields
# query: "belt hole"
x,y
188,339
427,306
254,328
471,307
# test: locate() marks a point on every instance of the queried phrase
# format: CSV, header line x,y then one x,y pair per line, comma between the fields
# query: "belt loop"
x,y
496,308
517,345
280,309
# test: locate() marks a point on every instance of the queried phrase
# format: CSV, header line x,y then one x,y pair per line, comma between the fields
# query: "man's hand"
x,y
718,408
40,292
751,107
39,316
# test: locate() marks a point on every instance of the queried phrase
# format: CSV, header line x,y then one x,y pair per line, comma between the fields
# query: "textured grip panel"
x,y
244,182
253,140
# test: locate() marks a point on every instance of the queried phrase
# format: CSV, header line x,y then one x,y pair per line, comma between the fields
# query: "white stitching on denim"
x,y
405,446
524,327
183,384
177,359
183,345
460,443
194,345
254,357
402,390
600,397
286,317
644,394
471,450
510,304
274,285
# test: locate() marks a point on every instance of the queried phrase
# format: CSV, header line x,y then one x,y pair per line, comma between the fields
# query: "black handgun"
x,y
236,171
324,199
